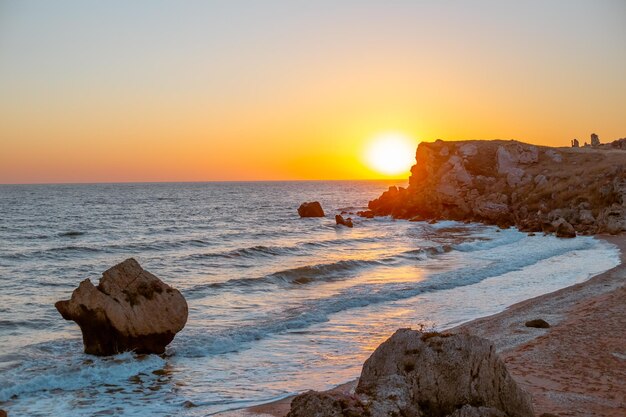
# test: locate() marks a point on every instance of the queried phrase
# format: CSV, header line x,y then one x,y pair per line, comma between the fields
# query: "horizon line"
x,y
199,181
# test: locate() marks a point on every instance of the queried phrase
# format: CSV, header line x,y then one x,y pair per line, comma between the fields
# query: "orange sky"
x,y
233,91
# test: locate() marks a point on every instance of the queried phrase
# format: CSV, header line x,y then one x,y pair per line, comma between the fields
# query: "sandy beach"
x,y
577,367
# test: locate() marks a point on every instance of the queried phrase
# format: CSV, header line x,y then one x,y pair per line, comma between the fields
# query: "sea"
x,y
277,304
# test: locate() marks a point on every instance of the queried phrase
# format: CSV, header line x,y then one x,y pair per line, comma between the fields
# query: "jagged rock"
x,y
563,229
507,165
540,180
492,210
368,214
130,309
326,404
554,155
469,149
612,220
538,324
619,144
344,222
595,140
312,209
469,411
586,217
431,374
458,181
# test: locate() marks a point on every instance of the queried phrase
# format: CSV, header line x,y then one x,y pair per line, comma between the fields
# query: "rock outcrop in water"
x,y
509,183
343,222
426,375
130,309
312,209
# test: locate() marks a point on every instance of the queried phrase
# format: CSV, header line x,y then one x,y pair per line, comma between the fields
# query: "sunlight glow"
x,y
391,153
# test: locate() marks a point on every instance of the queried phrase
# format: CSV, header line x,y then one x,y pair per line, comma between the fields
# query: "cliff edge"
x,y
510,183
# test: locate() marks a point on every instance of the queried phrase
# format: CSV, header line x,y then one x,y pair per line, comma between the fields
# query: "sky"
x,y
116,91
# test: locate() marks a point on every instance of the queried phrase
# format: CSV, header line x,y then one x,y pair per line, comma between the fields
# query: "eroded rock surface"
x,y
509,183
426,375
130,309
327,404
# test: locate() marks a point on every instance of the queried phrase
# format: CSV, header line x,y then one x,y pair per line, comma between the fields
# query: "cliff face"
x,y
511,183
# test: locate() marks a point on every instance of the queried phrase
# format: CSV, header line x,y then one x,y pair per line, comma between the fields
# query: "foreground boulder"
x,y
312,209
344,222
426,375
130,309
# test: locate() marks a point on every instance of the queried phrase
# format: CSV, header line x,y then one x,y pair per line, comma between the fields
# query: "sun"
x,y
391,153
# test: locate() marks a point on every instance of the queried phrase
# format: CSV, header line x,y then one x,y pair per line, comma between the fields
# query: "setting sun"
x,y
391,153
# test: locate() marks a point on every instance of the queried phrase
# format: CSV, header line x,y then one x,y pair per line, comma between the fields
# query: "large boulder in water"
x,y
130,309
312,209
433,374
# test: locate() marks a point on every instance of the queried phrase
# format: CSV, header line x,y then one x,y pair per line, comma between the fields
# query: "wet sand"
x,y
577,367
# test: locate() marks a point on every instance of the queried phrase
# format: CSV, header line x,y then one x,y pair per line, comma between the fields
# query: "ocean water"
x,y
277,304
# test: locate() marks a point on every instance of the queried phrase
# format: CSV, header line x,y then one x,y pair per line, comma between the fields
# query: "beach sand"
x,y
577,367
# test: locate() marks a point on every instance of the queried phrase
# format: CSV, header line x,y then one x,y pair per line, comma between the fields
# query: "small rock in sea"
x,y
532,234
312,209
160,372
189,404
368,214
344,222
130,309
537,323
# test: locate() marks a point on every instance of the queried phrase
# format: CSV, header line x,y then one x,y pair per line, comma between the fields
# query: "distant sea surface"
x,y
278,304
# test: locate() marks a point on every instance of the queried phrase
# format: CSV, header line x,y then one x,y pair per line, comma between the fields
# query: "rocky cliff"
x,y
511,183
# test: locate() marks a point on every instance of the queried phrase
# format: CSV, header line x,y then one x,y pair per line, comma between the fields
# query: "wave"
x,y
422,253
331,271
250,252
294,276
110,248
72,233
271,251
319,310
318,273
76,372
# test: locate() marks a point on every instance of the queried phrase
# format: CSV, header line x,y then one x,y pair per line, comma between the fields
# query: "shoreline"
x,y
574,368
